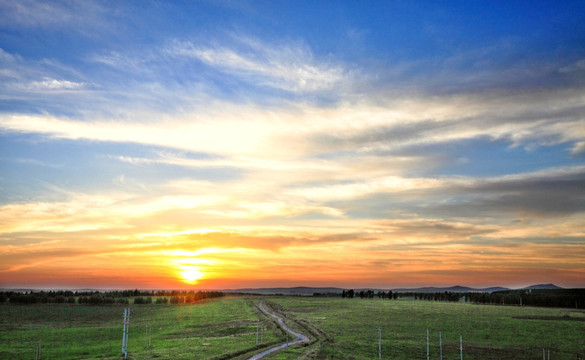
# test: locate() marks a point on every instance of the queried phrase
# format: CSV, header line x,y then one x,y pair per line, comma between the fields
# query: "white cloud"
x,y
296,156
388,184
143,63
49,84
7,58
82,212
291,68
27,79
578,149
574,67
424,187
250,136
30,161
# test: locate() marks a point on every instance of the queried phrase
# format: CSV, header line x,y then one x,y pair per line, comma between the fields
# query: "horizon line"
x,y
290,287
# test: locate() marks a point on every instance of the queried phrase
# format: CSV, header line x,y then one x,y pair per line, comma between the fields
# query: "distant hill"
x,y
458,289
543,286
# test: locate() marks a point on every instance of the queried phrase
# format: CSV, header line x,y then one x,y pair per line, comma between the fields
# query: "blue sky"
x,y
224,136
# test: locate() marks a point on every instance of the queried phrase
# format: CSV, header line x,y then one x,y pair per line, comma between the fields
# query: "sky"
x,y
231,144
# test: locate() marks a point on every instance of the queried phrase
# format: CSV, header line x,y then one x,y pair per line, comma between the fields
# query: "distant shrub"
x,y
143,300
138,301
96,299
162,300
24,299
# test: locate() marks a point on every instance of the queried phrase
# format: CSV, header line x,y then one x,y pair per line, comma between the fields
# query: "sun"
x,y
191,274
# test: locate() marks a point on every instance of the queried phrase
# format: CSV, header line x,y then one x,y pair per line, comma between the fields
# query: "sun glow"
x,y
191,274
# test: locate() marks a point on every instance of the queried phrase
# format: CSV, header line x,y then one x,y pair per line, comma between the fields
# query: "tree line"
x,y
368,294
138,297
566,298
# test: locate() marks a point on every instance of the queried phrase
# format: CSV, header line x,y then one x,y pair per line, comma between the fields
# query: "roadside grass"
x,y
489,332
213,329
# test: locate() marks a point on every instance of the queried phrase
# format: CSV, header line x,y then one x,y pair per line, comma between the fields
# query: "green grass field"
x,y
340,328
489,332
214,329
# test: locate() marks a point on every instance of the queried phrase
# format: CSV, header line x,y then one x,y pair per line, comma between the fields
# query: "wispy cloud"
x,y
48,84
220,128
356,190
546,193
287,67
34,80
578,66
578,149
84,17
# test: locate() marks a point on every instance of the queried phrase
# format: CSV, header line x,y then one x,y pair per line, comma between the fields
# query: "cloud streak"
x,y
290,68
251,131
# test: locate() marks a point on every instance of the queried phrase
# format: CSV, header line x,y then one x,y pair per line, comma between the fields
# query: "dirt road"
x,y
298,337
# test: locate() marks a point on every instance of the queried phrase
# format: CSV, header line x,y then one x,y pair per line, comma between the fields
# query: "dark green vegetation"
x,y
211,329
225,328
530,297
566,298
110,297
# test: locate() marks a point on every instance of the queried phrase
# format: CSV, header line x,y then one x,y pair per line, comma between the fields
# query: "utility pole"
x,y
38,357
124,335
461,346
125,331
441,343
380,343
428,354
148,336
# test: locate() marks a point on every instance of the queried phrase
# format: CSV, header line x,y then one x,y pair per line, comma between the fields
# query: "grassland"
x,y
216,329
339,328
349,328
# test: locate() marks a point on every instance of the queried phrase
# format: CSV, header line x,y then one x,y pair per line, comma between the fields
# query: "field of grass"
x,y
340,329
216,329
349,329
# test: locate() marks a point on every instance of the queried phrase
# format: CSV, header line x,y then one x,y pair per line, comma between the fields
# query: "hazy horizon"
x,y
270,287
214,145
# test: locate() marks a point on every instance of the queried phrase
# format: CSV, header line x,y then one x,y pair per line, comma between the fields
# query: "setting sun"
x,y
191,274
